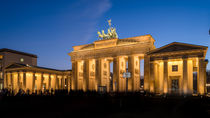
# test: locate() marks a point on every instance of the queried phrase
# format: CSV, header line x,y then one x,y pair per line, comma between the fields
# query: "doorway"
x,y
175,86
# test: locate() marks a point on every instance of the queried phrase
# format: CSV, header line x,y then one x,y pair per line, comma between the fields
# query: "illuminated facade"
x,y
174,68
8,56
35,79
19,71
91,63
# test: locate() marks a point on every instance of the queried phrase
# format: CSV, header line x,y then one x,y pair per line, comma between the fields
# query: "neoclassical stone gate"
x,y
91,63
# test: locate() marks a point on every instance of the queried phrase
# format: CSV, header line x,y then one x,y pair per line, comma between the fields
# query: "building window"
x,y
21,60
174,67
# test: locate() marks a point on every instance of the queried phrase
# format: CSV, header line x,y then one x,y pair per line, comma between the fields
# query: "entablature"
x,y
112,51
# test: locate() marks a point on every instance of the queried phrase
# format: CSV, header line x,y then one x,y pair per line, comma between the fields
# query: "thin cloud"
x,y
91,11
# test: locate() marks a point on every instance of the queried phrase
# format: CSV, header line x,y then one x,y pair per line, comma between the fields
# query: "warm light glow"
x,y
28,74
165,88
1,56
37,74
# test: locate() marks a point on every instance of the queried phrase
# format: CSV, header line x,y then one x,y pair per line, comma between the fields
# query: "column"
x,y
201,81
69,83
11,80
165,80
8,80
108,75
161,76
33,84
42,79
146,72
120,68
98,72
24,81
63,82
152,77
81,79
79,75
105,74
92,73
115,74
134,69
53,82
89,72
185,76
74,75
190,76
56,82
5,80
18,80
156,82
86,74
49,87
205,78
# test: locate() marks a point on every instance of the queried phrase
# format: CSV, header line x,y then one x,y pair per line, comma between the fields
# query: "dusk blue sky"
x,y
49,28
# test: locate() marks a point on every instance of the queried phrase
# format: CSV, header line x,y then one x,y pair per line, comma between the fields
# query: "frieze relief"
x,y
121,72
105,44
80,74
92,73
110,52
105,73
136,71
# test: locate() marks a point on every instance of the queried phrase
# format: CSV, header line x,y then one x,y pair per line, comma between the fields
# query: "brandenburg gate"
x,y
173,68
91,63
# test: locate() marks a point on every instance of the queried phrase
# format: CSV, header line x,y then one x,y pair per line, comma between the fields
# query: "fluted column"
x,y
185,76
74,75
89,74
201,81
53,82
69,83
11,80
165,80
134,69
205,78
49,87
156,82
152,78
146,72
33,83
79,75
5,80
190,76
56,82
98,73
24,81
18,78
62,82
119,69
42,79
115,74
86,74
